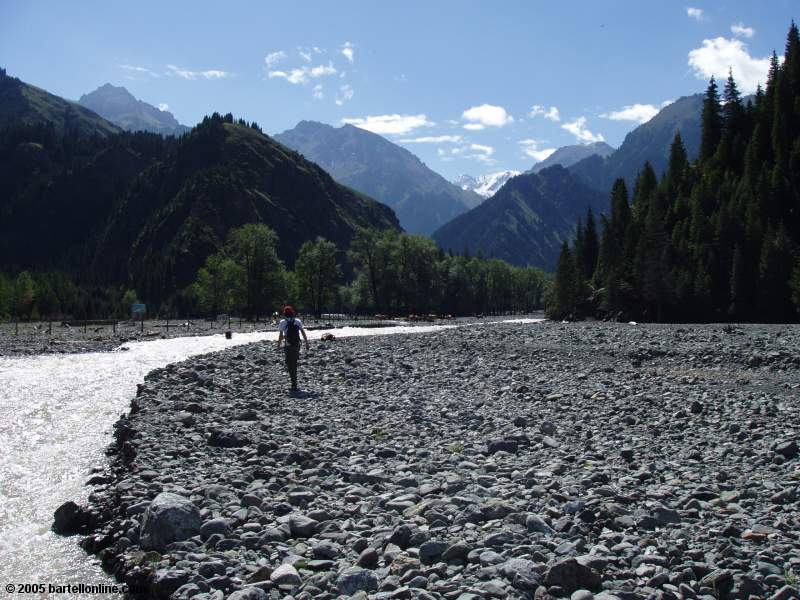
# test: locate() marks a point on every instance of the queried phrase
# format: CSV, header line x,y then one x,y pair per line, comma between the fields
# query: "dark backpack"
x,y
292,332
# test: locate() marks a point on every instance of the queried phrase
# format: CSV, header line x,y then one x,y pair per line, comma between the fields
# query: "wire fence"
x,y
187,326
172,326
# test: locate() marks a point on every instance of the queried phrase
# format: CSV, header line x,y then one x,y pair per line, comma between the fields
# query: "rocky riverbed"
x,y
29,339
492,461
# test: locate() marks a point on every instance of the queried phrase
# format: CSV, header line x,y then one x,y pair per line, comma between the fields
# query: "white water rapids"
x,y
56,417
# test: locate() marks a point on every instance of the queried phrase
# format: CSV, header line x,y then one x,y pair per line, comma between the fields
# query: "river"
x,y
56,417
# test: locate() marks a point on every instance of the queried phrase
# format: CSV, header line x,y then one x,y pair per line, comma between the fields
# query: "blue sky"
x,y
470,87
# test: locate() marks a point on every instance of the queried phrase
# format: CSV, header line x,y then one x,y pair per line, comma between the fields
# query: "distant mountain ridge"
x,y
25,104
566,156
526,221
422,199
485,185
648,142
120,107
144,211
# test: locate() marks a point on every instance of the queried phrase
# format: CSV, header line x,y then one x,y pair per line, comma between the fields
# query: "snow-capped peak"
x,y
485,185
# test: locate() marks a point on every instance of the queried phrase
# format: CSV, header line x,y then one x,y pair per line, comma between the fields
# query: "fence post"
x,y
49,328
114,327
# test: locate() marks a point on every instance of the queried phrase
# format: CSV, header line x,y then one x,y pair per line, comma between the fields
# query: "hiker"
x,y
289,331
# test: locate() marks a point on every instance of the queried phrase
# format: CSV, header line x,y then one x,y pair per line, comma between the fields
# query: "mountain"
x,y
526,221
648,142
566,156
485,185
371,164
120,107
144,211
25,104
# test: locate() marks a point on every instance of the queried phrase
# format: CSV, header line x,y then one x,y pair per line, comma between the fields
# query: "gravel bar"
x,y
548,460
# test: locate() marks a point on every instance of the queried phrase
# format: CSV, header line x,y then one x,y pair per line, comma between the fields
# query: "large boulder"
x,y
71,518
249,593
354,580
169,518
570,576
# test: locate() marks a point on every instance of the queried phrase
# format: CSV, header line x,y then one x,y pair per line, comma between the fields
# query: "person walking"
x,y
289,331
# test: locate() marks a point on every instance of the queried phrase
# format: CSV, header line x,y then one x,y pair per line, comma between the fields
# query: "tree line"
x,y
393,273
54,295
716,239
390,272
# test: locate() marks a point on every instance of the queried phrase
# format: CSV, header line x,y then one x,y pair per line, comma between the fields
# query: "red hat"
x,y
288,310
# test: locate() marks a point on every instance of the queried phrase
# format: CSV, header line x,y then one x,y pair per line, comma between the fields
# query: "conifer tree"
x,y
677,165
591,246
733,109
653,271
563,300
710,122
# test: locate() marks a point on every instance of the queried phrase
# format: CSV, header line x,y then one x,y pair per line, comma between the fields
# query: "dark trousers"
x,y
292,354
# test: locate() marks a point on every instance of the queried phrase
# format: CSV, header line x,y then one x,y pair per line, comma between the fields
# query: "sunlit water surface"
x,y
56,417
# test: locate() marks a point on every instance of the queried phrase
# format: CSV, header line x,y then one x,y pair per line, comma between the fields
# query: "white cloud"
x,y
192,75
317,92
478,152
696,14
306,56
716,56
578,129
487,150
390,124
322,70
666,103
273,58
348,51
136,69
303,74
345,93
638,113
434,139
163,106
540,155
739,29
530,148
486,115
551,113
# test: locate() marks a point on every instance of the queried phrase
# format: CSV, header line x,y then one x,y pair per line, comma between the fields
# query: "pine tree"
x,y
733,109
646,184
564,293
710,123
791,68
591,246
620,213
677,166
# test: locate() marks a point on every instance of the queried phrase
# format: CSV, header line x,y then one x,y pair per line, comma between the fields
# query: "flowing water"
x,y
56,417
